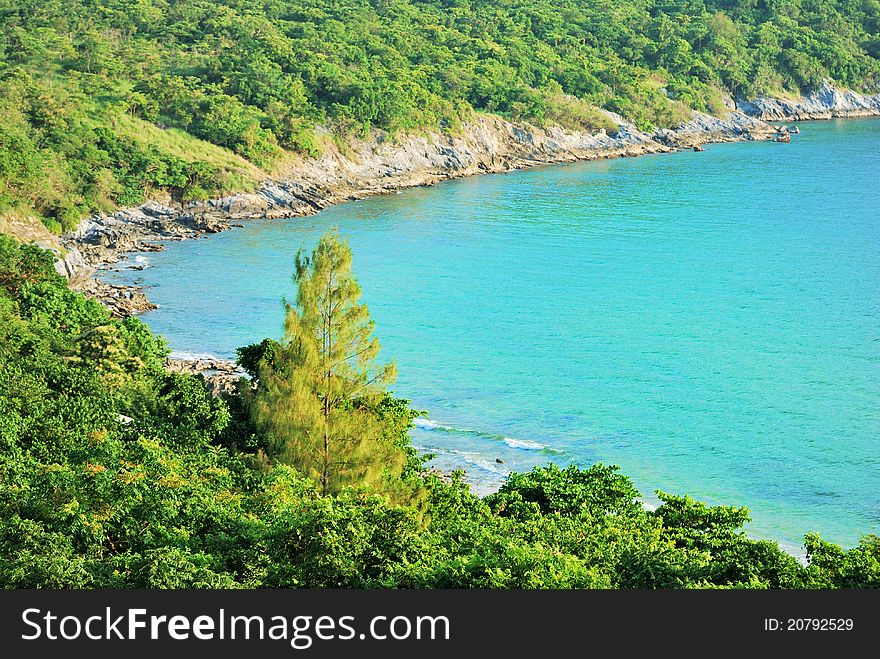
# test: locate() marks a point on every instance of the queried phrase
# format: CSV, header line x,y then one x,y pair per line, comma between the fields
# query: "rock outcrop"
x,y
102,239
69,262
703,128
374,166
122,301
221,376
827,102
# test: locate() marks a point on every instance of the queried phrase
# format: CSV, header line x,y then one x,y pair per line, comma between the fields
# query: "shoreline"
x,y
488,145
488,484
535,162
379,165
383,164
826,102
115,241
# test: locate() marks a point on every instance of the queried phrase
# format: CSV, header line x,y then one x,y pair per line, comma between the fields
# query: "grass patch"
x,y
236,173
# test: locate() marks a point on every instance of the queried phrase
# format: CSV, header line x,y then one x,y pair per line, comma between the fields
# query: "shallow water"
x,y
708,321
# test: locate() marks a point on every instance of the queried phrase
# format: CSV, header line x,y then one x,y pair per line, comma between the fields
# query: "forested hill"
x,y
103,102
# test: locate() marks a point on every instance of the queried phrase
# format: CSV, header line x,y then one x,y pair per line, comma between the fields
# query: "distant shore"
x,y
489,144
379,165
826,102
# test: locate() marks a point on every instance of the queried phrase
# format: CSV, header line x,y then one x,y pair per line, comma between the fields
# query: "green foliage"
x,y
101,101
116,474
250,357
347,541
23,265
317,394
599,490
831,567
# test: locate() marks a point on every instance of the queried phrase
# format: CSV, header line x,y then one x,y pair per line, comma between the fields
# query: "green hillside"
x,y
105,102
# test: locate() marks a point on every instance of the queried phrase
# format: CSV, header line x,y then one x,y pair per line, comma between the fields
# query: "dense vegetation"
x,y
107,102
115,473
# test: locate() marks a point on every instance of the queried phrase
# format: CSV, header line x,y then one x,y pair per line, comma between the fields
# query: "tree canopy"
x,y
106,102
117,474
318,391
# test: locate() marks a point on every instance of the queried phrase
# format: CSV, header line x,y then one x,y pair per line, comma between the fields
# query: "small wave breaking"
x,y
489,471
521,444
525,444
427,424
192,356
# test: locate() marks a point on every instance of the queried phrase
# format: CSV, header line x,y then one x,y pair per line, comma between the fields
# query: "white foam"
x,y
488,466
521,444
428,424
473,460
192,356
524,444
142,260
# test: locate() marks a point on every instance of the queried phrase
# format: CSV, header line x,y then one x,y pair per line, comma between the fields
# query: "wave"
x,y
192,356
137,263
496,472
427,424
525,444
522,444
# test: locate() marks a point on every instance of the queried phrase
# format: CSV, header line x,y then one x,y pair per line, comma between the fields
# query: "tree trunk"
x,y
328,344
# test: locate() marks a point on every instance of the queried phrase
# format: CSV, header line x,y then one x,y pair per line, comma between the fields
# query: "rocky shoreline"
x,y
221,375
379,165
488,144
826,102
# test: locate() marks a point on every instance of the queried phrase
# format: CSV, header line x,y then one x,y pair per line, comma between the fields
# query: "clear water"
x,y
708,321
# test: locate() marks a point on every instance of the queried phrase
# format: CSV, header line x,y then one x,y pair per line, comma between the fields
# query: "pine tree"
x,y
318,390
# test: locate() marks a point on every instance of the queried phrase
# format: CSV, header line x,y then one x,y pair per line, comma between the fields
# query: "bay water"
x,y
708,321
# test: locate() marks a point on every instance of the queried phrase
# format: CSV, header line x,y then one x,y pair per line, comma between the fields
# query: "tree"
x,y
318,392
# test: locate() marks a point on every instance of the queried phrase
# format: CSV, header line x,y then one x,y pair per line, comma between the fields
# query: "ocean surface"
x,y
708,321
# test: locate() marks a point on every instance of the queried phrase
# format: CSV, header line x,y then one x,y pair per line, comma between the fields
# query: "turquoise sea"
x,y
708,321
